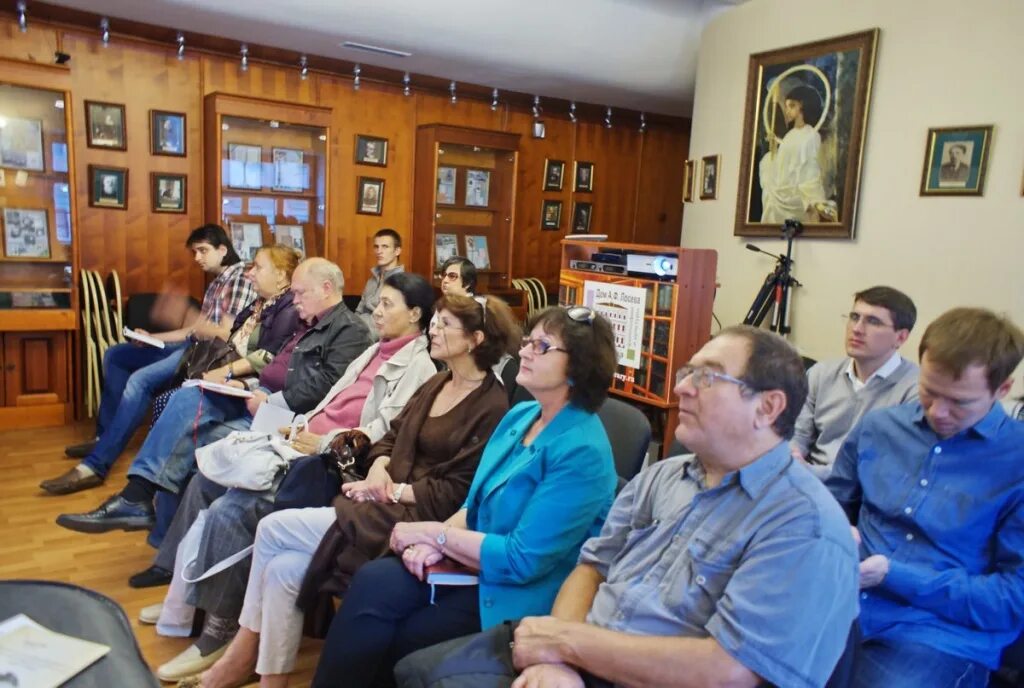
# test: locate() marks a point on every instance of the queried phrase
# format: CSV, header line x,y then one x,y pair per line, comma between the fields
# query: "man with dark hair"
x,y
387,247
732,565
134,374
458,277
958,169
873,375
935,492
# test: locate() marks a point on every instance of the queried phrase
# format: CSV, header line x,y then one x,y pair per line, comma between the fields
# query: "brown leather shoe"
x,y
70,482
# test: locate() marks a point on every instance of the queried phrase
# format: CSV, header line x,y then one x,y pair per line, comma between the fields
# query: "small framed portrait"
x,y
289,170
21,144
446,185
581,213
108,187
26,234
370,200
955,161
478,187
583,175
551,215
553,173
371,151
168,192
709,177
688,177
104,124
167,133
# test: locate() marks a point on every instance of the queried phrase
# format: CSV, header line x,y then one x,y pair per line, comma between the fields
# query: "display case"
x,y
266,172
464,200
38,261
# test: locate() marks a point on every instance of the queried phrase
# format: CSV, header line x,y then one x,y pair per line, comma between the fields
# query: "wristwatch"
x,y
396,494
442,537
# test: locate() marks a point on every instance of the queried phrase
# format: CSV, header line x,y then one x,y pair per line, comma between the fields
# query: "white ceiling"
x,y
638,54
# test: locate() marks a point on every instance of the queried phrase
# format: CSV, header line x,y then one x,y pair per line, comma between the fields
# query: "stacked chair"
x,y
101,329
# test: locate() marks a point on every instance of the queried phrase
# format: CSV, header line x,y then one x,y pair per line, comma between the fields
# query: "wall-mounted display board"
x,y
38,256
266,172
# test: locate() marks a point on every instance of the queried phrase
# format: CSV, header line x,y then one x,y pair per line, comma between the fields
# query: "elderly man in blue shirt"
x,y
935,490
732,566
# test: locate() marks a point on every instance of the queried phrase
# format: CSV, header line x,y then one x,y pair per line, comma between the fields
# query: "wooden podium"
x,y
659,322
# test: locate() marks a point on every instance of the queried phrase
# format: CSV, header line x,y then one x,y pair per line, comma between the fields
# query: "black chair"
x,y
85,614
139,309
629,433
1011,673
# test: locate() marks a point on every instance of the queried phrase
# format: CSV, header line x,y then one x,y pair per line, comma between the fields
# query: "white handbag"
x,y
249,460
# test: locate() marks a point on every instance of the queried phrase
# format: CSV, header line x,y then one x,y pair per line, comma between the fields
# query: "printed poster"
x,y
623,307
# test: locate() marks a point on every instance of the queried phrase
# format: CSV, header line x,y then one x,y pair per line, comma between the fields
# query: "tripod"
x,y
775,292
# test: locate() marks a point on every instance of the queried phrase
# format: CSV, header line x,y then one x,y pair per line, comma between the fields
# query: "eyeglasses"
x,y
482,300
450,275
854,317
580,314
703,377
539,346
437,323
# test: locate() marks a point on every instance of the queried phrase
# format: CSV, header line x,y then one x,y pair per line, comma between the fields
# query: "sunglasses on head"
x,y
580,314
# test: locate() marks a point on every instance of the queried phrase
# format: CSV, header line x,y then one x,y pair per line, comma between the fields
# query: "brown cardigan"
x,y
440,483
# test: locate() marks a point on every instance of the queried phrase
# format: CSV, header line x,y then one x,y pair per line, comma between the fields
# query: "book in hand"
x,y
218,388
449,572
144,338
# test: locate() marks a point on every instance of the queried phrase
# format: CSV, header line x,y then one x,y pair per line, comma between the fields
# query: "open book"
x,y
144,338
218,388
448,572
33,655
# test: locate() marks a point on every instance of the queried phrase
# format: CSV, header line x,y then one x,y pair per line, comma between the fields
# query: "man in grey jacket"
x,y
873,375
387,248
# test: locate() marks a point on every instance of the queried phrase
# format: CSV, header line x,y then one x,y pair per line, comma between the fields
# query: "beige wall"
x,y
939,63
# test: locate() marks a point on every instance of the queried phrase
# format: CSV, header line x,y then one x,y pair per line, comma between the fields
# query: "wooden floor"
x,y
33,546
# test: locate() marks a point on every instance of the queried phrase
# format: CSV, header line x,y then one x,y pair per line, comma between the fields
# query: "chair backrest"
x,y
629,433
114,286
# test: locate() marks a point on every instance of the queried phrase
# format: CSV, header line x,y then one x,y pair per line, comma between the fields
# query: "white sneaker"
x,y
188,663
151,614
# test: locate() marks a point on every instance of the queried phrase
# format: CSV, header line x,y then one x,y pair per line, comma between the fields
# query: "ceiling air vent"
x,y
375,49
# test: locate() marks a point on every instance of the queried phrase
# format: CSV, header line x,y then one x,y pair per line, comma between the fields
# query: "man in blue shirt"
x,y
935,490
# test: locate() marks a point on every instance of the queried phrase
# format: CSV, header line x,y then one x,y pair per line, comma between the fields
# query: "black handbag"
x,y
204,355
314,481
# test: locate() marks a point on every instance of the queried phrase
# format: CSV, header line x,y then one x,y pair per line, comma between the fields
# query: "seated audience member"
x,y
436,454
935,490
733,566
328,340
545,483
387,248
134,373
458,276
873,375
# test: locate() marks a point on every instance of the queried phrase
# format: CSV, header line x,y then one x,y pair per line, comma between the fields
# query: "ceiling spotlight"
x,y
105,31
356,71
406,88
22,16
536,107
572,112
643,123
494,100
608,118
244,51
181,45
303,67
451,89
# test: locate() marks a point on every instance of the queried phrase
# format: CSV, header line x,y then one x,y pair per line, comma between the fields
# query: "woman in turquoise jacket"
x,y
544,485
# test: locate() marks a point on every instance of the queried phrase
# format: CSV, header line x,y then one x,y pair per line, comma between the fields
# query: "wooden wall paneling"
x,y
35,45
615,153
146,248
37,365
433,109
222,75
379,111
659,212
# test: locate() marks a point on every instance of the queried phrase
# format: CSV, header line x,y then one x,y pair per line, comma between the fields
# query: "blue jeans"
x,y
190,419
909,665
132,376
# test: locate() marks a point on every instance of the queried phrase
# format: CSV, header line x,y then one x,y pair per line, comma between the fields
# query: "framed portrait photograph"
x,y
581,217
168,192
803,134
553,173
21,144
104,125
371,150
370,197
583,176
289,170
26,233
108,187
478,187
551,215
244,166
709,165
167,133
476,251
446,185
955,161
688,175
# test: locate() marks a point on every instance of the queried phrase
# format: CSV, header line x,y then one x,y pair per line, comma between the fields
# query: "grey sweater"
x,y
833,407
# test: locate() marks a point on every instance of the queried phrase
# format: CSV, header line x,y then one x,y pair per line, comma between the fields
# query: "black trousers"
x,y
386,614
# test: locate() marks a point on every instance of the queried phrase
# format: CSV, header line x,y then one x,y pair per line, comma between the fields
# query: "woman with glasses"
x,y
419,470
545,483
458,277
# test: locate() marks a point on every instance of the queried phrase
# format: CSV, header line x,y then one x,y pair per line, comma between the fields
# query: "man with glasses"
x,y
387,249
731,565
935,492
873,375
